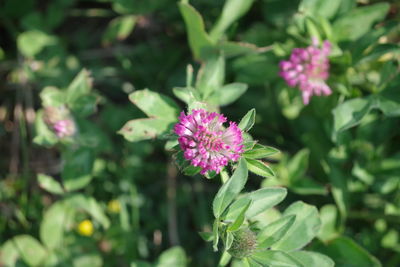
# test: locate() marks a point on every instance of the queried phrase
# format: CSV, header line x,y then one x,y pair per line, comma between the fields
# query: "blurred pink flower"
x,y
206,142
308,68
64,128
59,120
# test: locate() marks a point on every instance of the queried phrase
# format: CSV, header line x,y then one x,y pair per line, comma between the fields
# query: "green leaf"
x,y
307,186
225,259
53,224
229,240
262,200
361,46
388,74
339,188
189,76
211,76
259,152
180,160
172,257
161,110
350,113
346,252
92,260
291,103
323,8
232,11
91,206
207,236
388,101
233,49
92,136
248,120
49,184
197,105
77,171
25,247
328,215
198,37
260,168
274,231
52,97
308,258
312,29
191,170
304,229
138,7
230,189
44,136
119,29
298,165
84,105
141,264
154,104
144,129
230,93
275,259
379,51
31,43
215,234
81,85
359,21
186,94
240,218
248,145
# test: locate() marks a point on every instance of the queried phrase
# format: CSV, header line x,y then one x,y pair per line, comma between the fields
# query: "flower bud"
x,y
244,243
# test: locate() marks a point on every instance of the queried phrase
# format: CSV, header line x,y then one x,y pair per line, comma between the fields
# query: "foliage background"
x,y
345,162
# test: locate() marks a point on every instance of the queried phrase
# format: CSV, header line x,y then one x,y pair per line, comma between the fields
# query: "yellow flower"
x,y
114,206
85,228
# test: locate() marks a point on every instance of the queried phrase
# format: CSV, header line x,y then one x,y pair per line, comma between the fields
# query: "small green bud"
x,y
244,243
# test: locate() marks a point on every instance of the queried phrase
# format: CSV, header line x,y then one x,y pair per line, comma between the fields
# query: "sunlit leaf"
x,y
230,189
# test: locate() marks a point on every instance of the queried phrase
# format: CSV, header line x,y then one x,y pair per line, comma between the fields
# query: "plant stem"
x,y
171,204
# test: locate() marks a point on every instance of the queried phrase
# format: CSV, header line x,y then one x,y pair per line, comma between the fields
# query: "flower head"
x,y
85,228
60,121
308,68
64,128
206,142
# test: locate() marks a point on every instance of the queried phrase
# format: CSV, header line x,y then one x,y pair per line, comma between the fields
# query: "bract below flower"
x,y
206,142
308,68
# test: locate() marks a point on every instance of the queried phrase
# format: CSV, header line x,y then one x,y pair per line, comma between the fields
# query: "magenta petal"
x,y
206,142
308,68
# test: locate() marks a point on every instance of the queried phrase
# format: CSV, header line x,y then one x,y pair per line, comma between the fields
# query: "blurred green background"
x,y
143,206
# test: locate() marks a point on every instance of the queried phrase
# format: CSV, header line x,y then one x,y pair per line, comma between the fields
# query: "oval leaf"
x,y
304,229
248,120
308,258
260,168
275,231
49,184
230,189
275,258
